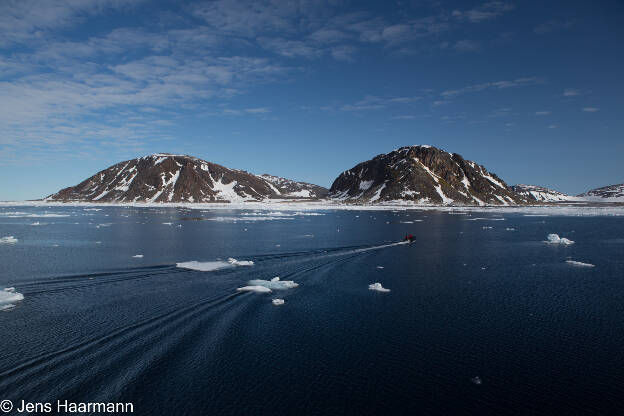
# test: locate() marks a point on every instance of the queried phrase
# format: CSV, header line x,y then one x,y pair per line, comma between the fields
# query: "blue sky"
x,y
306,89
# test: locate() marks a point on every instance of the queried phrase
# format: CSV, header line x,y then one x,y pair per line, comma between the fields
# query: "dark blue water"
x,y
467,304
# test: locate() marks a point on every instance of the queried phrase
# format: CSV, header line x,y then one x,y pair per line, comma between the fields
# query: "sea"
x,y
315,312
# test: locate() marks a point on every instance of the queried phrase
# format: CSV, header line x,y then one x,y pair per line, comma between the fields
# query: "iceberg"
x,y
579,263
555,239
257,289
275,283
378,287
8,240
137,256
8,297
277,302
208,266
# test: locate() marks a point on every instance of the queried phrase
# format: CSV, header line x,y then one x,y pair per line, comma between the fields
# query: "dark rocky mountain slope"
x,y
180,178
611,193
423,174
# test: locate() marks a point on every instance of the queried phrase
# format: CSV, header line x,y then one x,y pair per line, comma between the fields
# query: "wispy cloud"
x,y
372,102
571,92
496,85
486,11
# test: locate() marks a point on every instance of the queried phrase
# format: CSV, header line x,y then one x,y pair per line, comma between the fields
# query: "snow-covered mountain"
x,y
423,174
611,193
291,189
165,177
541,194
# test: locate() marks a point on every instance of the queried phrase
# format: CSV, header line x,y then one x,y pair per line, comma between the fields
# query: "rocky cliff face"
x,y
611,193
540,194
423,174
179,178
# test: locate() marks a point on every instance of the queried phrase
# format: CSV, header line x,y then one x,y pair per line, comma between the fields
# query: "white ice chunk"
x,y
257,289
138,256
274,283
579,263
235,262
8,240
8,297
208,266
378,287
555,239
277,302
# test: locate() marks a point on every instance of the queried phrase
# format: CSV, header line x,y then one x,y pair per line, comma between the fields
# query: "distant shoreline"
x,y
581,208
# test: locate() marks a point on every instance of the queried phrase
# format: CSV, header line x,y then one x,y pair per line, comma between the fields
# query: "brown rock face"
x,y
423,174
611,192
179,178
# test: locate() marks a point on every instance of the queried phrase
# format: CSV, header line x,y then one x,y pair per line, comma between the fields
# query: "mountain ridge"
x,y
423,174
167,177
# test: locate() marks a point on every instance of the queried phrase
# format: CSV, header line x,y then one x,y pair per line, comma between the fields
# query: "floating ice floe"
x,y
8,297
378,287
555,239
36,223
476,380
257,289
8,240
167,223
208,266
138,256
487,228
380,267
579,263
249,218
16,214
510,229
275,283
277,302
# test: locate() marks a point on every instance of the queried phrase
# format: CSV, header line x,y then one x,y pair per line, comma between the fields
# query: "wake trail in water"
x,y
73,282
173,318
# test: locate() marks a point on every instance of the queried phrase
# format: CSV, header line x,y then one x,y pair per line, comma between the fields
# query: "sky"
x,y
302,89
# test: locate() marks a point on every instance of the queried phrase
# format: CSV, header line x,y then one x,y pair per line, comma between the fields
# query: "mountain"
x,y
423,174
611,193
178,178
292,189
540,194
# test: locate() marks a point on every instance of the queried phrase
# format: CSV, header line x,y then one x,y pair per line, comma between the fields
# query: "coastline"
x,y
584,208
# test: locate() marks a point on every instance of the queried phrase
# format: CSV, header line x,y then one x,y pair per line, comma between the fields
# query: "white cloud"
x,y
497,85
24,21
571,92
372,102
486,11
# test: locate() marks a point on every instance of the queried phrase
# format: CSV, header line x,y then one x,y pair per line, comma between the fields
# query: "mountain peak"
x,y
167,177
423,174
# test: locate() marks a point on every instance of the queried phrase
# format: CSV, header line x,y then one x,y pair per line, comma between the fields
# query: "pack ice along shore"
x,y
418,175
